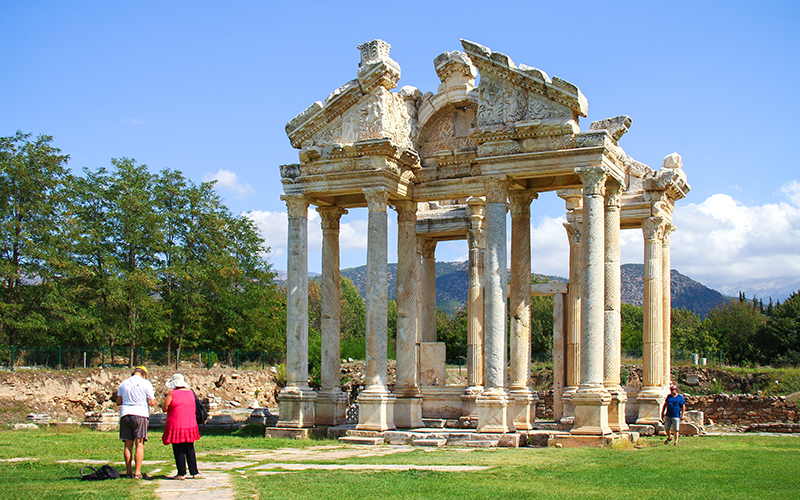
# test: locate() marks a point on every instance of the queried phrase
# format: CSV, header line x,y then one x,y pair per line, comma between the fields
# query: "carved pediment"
x,y
510,94
362,109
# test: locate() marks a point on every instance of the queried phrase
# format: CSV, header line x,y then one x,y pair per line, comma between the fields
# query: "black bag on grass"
x,y
104,472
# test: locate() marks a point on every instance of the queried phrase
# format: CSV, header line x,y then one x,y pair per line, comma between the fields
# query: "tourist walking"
x,y
136,396
672,413
181,429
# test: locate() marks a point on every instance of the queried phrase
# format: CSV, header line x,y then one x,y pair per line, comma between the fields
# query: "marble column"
x,y
611,380
572,363
331,401
296,400
494,404
428,279
651,395
666,300
408,402
376,403
559,354
476,239
591,399
520,304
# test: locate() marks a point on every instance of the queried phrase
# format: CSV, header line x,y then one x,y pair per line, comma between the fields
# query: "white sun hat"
x,y
176,381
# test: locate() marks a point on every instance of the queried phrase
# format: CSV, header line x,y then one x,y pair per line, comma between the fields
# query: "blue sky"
x,y
207,87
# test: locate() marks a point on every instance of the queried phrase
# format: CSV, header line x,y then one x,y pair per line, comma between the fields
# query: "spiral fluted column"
x,y
331,401
408,402
520,338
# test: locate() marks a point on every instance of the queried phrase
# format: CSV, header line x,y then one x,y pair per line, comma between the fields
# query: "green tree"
x,y
353,318
779,338
632,327
33,175
689,334
137,240
735,326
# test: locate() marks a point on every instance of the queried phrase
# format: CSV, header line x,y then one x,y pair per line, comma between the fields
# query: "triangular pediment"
x,y
512,94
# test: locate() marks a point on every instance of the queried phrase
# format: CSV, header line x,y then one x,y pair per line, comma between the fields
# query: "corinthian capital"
x,y
496,189
406,211
296,205
521,201
428,248
594,180
613,193
377,198
653,228
573,233
331,216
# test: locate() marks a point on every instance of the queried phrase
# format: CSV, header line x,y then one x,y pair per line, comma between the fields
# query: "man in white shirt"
x,y
136,396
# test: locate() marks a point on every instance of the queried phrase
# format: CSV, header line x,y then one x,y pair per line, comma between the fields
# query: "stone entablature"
x,y
485,148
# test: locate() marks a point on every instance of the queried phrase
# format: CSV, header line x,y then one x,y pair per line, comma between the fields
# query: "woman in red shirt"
x,y
181,427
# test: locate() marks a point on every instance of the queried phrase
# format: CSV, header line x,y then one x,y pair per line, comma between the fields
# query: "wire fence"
x,y
59,357
94,357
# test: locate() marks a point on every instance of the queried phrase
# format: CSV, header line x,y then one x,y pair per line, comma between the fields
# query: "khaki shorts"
x,y
133,427
672,424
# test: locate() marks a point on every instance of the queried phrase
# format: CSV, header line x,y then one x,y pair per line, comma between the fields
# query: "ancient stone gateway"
x,y
452,164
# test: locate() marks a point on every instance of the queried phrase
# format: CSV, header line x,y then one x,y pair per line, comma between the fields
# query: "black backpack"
x,y
104,472
200,412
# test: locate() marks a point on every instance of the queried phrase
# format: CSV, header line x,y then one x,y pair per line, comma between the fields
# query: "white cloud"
x,y
731,247
550,247
133,121
229,181
273,227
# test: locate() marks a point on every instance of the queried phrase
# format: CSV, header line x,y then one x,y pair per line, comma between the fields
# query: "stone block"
x,y
432,370
305,433
434,442
643,430
689,429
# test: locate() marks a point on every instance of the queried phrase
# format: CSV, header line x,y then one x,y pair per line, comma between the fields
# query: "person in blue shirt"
x,y
672,413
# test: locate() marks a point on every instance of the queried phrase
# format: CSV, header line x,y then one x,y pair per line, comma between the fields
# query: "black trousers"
x,y
184,453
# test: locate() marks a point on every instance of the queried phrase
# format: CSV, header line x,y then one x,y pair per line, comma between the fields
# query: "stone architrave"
x,y
428,279
408,402
651,395
616,410
476,239
666,297
376,403
331,401
573,323
520,336
591,399
297,399
495,405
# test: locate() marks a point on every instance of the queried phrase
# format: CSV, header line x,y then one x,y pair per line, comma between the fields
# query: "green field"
x,y
724,467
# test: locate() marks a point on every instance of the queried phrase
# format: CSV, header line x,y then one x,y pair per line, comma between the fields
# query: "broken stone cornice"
x,y
497,63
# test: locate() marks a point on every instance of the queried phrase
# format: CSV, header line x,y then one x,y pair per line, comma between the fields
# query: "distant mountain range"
x,y
452,280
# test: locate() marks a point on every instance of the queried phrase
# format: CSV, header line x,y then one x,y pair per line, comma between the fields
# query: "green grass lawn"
x,y
710,467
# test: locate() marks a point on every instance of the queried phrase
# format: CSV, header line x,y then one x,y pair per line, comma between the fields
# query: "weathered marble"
x,y
296,398
331,401
611,379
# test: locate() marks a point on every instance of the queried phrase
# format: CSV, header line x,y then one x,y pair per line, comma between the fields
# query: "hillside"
x,y
452,279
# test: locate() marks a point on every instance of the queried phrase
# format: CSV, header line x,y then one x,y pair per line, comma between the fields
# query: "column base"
x,y
568,409
331,407
408,410
376,410
524,408
616,409
495,408
650,401
591,413
470,408
296,407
